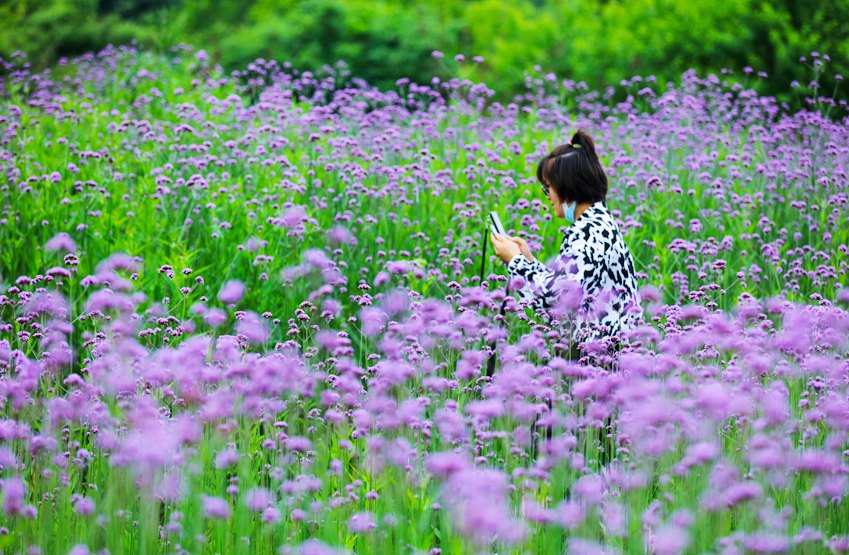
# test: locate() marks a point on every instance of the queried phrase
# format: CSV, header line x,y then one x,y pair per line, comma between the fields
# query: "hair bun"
x,y
582,140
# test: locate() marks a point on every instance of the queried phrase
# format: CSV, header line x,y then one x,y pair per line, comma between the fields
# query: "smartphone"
x,y
495,224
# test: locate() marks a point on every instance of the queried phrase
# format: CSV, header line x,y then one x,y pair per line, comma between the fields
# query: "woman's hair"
x,y
573,170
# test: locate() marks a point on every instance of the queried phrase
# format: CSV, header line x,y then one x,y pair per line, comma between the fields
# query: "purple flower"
x,y
372,320
766,542
318,259
61,241
486,409
397,267
570,514
670,540
331,307
271,515
734,495
298,443
83,505
316,547
582,546
106,299
478,502
232,292
118,261
395,302
215,507
361,522
294,218
226,458
14,495
470,364
383,277
340,235
817,461
214,317
259,499
252,327
614,515
444,464
589,488
451,424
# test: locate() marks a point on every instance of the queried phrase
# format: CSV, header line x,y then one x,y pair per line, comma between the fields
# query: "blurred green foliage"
x,y
599,42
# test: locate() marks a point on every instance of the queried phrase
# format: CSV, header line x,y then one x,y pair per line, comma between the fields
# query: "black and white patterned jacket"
x,y
591,285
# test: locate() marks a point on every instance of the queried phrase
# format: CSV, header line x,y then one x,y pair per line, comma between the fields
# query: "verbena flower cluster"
x,y
244,314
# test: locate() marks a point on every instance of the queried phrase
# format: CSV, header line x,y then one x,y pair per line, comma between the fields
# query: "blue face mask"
x,y
569,211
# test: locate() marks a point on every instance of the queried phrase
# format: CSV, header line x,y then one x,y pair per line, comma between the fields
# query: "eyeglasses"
x,y
544,189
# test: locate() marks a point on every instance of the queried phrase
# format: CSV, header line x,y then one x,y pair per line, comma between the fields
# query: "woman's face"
x,y
556,202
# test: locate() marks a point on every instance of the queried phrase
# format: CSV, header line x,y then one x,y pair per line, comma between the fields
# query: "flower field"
x,y
244,314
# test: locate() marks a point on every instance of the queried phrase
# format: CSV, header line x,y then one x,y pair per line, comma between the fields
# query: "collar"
x,y
594,208
590,213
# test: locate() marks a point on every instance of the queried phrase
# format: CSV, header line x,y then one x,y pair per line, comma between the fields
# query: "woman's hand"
x,y
505,248
523,248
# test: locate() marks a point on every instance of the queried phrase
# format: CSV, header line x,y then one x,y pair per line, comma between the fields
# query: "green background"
x,y
598,42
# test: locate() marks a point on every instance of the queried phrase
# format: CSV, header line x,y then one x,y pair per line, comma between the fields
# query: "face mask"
x,y
569,211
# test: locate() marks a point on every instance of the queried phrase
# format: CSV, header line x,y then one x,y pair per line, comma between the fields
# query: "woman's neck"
x,y
581,208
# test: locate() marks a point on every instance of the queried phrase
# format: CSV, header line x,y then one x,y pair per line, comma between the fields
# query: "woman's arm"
x,y
545,286
537,289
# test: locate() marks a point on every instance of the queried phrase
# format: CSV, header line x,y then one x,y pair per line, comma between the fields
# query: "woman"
x,y
592,255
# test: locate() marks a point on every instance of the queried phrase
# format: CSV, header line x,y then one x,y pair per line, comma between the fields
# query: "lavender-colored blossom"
x,y
583,546
317,258
232,292
252,327
372,320
341,235
381,278
570,514
215,317
82,505
259,499
226,458
14,496
215,507
589,488
670,540
61,241
316,547
297,443
444,464
271,515
766,542
477,498
361,522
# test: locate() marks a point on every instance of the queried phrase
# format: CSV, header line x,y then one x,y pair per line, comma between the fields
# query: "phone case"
x,y
495,224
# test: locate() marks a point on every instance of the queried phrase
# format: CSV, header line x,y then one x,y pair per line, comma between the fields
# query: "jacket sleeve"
x,y
542,285
536,289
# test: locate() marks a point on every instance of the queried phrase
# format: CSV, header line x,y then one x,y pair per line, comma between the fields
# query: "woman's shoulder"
x,y
599,212
595,234
596,220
